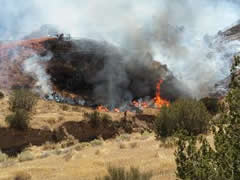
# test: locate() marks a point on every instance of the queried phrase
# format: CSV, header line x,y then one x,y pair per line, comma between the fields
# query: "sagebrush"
x,y
18,119
188,114
22,99
120,173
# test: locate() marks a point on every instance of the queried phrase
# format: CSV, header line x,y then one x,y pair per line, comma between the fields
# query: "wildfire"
x,y
116,110
159,102
102,108
140,104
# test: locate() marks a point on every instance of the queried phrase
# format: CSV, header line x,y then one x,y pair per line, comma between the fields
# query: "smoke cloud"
x,y
34,66
178,33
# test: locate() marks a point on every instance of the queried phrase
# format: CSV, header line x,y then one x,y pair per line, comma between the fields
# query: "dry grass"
x,y
122,146
133,144
84,161
87,160
22,176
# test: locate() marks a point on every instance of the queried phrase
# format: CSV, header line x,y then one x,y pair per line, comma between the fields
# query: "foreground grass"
x,y
88,161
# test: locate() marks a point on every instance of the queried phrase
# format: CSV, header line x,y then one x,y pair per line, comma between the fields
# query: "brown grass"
x,y
22,176
91,161
88,160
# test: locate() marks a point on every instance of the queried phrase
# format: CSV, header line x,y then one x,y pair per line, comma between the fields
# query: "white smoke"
x,y
34,66
172,30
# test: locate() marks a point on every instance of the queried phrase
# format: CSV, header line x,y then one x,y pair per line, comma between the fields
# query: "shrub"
x,y
96,142
125,137
18,120
190,115
196,159
65,107
25,156
211,104
133,145
96,118
1,95
119,173
122,146
3,157
22,99
81,146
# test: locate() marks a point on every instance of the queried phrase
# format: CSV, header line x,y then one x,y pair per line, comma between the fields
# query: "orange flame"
x,y
102,108
140,104
159,102
116,110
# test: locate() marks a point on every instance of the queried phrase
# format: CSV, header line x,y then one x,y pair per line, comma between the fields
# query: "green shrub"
x,y
1,95
22,99
18,120
188,114
96,118
119,173
211,104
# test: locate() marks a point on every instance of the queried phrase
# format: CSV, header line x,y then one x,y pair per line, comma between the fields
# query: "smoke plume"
x,y
178,33
34,67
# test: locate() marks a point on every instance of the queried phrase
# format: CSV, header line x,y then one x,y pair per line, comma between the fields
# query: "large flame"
x,y
159,102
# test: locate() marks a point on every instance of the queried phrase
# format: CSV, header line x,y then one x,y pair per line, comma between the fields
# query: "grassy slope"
x,y
86,164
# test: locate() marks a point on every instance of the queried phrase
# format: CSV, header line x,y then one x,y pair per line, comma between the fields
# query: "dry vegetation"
x,y
74,160
88,160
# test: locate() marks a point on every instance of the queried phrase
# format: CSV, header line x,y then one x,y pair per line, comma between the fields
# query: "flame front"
x,y
159,102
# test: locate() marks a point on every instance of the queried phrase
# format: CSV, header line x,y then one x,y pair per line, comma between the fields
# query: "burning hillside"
x,y
97,73
85,72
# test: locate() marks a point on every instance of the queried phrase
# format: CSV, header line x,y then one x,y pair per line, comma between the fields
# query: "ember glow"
x,y
102,108
140,104
159,102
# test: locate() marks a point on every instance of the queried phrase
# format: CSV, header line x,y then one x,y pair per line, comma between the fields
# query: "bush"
x,y
3,157
96,142
65,107
22,99
190,115
96,118
22,176
197,159
18,120
211,104
119,173
25,156
1,95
